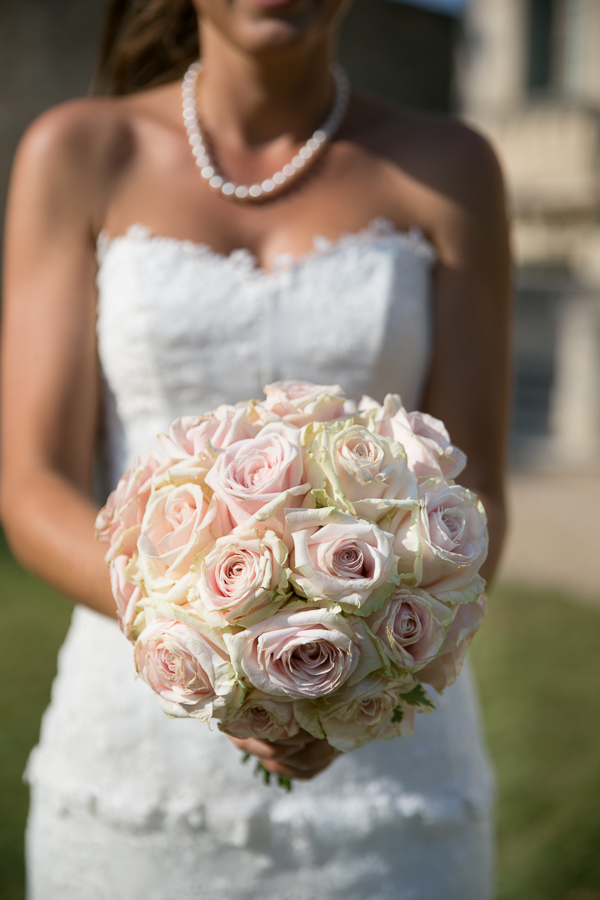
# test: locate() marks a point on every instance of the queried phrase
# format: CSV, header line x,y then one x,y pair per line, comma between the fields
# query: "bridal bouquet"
x,y
300,562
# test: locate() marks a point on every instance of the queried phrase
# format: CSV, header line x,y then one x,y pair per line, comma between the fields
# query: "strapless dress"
x,y
127,804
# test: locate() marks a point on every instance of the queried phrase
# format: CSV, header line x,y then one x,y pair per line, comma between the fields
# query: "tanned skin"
x,y
104,164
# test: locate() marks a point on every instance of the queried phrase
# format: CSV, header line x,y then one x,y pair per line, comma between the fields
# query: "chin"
x,y
268,26
269,36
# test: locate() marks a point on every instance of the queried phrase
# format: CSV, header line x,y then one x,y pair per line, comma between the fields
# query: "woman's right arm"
x,y
50,379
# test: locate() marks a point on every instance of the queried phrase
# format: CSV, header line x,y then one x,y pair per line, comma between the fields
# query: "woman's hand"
x,y
302,756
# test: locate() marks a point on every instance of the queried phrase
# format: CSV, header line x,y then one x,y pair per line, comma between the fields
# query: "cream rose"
x,y
364,474
188,670
301,402
257,478
243,579
444,670
191,435
370,710
453,542
126,593
179,523
303,653
428,446
429,451
341,559
410,627
126,505
262,717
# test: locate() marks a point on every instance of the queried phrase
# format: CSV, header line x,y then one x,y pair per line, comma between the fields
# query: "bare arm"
x,y
469,387
49,371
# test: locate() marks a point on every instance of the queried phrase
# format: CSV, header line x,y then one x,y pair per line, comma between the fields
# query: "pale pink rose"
x,y
371,710
340,558
428,447
301,402
363,473
187,470
180,522
242,579
410,627
443,671
125,592
126,505
453,541
261,717
190,435
187,669
257,478
303,653
429,451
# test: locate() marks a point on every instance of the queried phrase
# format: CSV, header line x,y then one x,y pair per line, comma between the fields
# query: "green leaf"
x,y
284,783
262,770
397,715
419,697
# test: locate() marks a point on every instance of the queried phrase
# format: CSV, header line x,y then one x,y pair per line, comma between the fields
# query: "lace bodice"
x,y
131,805
182,328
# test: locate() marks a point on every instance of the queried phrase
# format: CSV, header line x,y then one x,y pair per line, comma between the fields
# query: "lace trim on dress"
x,y
245,263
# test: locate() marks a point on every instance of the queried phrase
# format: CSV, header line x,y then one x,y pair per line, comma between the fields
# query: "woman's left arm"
x,y
469,380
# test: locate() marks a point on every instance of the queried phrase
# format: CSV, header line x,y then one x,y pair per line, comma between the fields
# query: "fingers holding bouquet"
x,y
297,569
302,757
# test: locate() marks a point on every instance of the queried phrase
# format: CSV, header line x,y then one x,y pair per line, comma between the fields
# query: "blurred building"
x,y
530,78
403,50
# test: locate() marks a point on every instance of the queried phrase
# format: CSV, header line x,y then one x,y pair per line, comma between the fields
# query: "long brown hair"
x,y
145,43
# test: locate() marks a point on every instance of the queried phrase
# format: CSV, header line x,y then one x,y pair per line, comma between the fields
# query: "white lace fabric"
x,y
129,804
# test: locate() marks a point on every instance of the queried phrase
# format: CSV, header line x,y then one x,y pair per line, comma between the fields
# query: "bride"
x,y
161,260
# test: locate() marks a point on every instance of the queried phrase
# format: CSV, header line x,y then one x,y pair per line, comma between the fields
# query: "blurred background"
x,y
527,74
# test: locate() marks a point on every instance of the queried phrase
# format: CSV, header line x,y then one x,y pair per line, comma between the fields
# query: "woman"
x,y
202,297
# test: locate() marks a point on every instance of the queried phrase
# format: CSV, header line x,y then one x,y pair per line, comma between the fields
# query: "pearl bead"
x,y
290,170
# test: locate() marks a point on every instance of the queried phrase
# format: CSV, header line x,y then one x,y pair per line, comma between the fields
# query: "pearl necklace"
x,y
289,173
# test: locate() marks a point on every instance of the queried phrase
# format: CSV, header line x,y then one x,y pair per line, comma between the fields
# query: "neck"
x,y
250,101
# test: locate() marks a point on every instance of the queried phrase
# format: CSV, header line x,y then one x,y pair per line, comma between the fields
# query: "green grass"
x,y
33,621
538,665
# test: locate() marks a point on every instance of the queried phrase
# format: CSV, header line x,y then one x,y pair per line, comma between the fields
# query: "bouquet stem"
x,y
260,769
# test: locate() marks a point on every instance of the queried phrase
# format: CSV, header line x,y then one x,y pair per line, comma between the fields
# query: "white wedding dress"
x,y
128,804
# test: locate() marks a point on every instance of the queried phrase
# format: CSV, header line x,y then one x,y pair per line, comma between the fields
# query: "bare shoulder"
x,y
74,151
440,155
